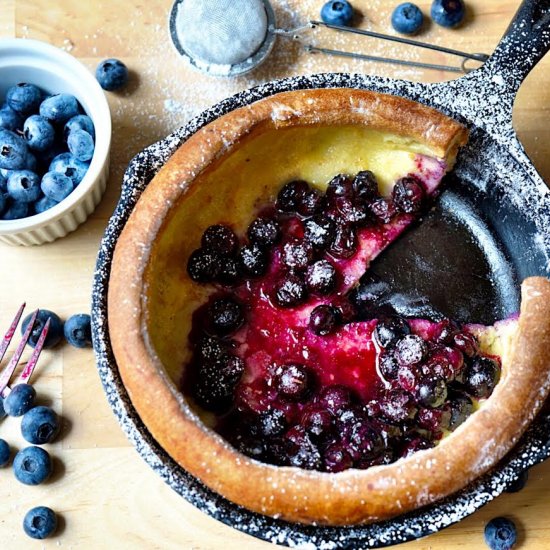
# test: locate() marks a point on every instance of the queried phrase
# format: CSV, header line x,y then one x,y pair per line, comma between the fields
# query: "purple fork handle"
x,y
11,331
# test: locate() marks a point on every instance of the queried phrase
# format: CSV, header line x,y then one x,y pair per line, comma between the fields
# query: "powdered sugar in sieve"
x,y
223,37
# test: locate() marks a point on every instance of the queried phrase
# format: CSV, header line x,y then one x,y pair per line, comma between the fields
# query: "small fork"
x,y
7,372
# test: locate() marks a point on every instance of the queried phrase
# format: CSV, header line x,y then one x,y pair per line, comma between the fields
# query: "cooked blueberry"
x,y
32,465
20,400
388,365
321,277
112,74
435,420
293,381
303,453
501,534
55,332
337,12
203,265
466,343
364,442
16,210
446,362
250,446
10,119
310,203
56,186
230,368
335,398
13,150
38,132
398,406
40,425
230,272
444,331
383,209
24,98
220,239
78,330
264,232
291,196
253,260
81,145
414,445
272,422
344,242
69,166
407,18
408,376
410,350
519,483
319,231
408,195
40,522
365,186
23,186
43,204
432,391
388,331
480,377
297,254
5,453
448,13
225,315
461,408
209,349
324,319
79,122
340,186
317,421
336,458
351,212
290,290
59,108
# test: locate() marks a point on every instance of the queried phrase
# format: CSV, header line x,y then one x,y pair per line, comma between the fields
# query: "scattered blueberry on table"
x,y
40,134
448,13
55,332
519,483
337,12
112,74
78,330
5,453
40,425
407,18
19,400
40,522
32,465
500,534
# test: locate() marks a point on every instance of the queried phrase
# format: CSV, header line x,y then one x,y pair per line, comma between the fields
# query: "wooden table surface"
x,y
106,495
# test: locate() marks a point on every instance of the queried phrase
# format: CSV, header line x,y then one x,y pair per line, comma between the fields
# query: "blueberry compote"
x,y
298,371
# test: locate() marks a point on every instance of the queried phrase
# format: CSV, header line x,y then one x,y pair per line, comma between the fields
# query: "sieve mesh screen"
x,y
223,32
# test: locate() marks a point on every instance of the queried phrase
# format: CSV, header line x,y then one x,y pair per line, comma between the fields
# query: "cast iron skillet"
x,y
488,231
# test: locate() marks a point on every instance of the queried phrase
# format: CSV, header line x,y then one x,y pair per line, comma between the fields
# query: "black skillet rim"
x,y
533,448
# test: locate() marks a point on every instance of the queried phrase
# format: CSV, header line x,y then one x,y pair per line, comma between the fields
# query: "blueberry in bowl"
x,y
315,402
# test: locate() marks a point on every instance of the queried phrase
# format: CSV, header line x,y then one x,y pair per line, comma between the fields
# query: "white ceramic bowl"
x,y
55,71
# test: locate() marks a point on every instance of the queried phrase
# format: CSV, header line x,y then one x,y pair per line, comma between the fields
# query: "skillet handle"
x,y
523,45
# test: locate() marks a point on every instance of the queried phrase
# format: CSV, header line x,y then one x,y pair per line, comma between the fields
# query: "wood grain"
x,y
107,496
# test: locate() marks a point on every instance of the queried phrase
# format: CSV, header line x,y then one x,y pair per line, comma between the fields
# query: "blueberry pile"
x,y
425,375
46,145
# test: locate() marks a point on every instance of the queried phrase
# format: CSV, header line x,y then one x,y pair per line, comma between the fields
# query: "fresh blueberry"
x,y
15,211
112,74
79,122
24,186
69,166
500,534
40,522
39,133
10,119
43,204
78,330
5,453
204,265
2,410
55,332
31,163
13,150
24,98
59,108
220,239
4,182
448,13
519,483
56,186
337,12
20,400
81,145
40,425
3,200
32,465
407,18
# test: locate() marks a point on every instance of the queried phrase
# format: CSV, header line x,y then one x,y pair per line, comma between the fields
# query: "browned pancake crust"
x,y
352,496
